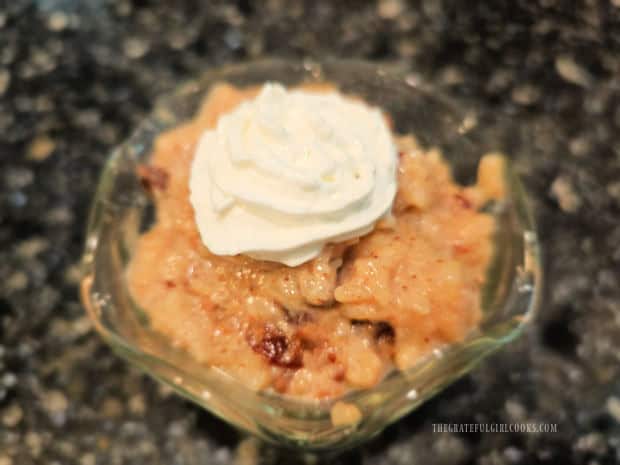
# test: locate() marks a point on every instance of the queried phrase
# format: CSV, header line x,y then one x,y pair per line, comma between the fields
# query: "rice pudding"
x,y
351,311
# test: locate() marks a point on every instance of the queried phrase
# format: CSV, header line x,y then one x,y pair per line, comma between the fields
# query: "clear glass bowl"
x,y
121,211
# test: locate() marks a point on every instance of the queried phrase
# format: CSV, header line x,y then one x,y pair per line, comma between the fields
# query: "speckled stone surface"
x,y
76,76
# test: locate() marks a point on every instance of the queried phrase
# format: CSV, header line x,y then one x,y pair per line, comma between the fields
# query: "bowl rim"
x,y
490,342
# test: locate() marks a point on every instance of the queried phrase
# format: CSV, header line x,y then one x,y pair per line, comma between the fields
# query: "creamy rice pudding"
x,y
355,307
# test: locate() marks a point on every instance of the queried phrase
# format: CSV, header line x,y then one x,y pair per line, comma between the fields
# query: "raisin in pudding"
x,y
303,248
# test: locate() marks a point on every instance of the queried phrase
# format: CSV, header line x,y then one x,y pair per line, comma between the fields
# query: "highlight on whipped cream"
x,y
289,171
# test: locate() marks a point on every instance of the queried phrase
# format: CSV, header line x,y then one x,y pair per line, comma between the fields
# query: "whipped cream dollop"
x,y
289,171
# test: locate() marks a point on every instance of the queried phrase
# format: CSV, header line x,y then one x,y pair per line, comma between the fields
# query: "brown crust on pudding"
x,y
153,178
277,347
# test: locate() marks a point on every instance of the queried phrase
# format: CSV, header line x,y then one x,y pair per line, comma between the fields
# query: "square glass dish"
x,y
122,211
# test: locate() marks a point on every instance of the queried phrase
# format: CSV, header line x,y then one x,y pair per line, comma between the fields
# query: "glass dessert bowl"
x,y
122,211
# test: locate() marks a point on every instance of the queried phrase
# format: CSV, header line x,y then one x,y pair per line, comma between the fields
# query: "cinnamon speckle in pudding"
x,y
462,201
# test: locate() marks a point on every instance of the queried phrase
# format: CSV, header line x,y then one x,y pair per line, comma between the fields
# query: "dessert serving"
x,y
311,250
302,247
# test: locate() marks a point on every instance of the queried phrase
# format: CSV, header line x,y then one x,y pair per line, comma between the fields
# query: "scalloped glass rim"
x,y
459,129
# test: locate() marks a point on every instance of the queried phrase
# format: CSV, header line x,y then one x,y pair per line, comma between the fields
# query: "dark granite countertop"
x,y
75,77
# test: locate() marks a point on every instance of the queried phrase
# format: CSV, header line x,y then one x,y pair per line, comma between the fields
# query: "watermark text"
x,y
495,427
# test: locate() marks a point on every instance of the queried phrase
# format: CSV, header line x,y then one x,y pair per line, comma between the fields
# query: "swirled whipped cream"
x,y
289,171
